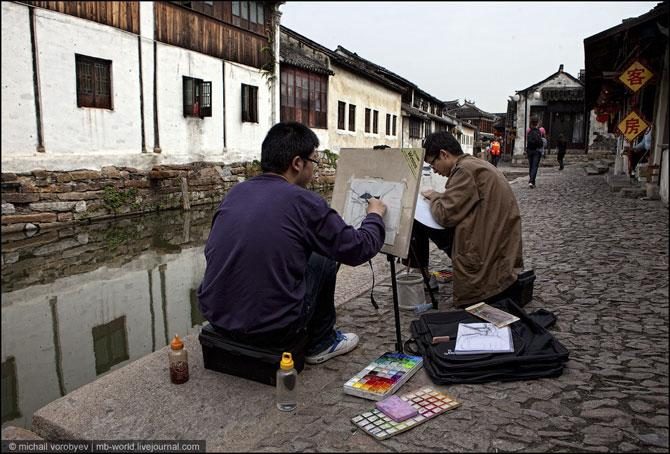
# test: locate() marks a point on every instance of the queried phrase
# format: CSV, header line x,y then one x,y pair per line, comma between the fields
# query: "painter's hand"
x,y
428,193
376,206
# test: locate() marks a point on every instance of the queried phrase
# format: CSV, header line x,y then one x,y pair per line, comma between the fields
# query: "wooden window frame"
x,y
352,117
249,103
196,97
341,112
388,124
304,97
415,128
375,122
367,119
95,73
395,120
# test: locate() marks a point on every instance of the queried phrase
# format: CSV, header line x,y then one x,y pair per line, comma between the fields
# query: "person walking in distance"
x,y
495,152
561,145
533,151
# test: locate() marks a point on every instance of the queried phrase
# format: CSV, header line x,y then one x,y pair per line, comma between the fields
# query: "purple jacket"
x,y
262,235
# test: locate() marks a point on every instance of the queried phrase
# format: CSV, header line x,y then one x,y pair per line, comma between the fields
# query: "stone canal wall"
x,y
44,199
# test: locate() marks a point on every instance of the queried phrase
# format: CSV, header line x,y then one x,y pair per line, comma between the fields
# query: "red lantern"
x,y
602,118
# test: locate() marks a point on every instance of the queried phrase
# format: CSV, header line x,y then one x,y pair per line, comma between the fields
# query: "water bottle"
x,y
287,384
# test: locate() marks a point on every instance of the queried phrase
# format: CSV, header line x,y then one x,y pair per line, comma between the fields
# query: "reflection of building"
x,y
84,320
611,54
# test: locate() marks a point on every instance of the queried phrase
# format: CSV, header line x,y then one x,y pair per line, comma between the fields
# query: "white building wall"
x,y
561,80
188,139
147,50
244,139
467,140
407,141
350,88
597,128
19,126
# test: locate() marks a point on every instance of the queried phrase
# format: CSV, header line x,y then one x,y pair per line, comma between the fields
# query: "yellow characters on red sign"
x,y
632,126
636,76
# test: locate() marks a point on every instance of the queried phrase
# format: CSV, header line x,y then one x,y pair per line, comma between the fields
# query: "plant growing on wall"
x,y
330,158
115,198
268,68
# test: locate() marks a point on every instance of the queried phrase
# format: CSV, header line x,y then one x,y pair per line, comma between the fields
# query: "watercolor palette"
x,y
427,401
383,376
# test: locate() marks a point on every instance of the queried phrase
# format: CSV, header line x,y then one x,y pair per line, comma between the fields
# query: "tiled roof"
x,y
471,111
294,56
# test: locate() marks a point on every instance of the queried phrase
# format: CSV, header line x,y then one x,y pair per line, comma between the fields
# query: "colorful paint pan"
x,y
428,402
384,376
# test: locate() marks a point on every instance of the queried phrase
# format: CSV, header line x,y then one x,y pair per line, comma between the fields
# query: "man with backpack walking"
x,y
495,152
534,146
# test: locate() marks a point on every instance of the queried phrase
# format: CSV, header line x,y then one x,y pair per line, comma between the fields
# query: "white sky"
x,y
482,51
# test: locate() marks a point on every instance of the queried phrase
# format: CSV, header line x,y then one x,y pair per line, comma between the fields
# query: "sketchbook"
x,y
474,338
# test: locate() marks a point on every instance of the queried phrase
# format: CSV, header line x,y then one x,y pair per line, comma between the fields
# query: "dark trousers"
x,y
534,157
495,159
419,248
317,320
561,156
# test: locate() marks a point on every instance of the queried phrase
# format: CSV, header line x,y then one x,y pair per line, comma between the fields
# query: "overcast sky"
x,y
482,51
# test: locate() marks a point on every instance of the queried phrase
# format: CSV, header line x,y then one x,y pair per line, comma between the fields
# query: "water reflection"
x,y
84,300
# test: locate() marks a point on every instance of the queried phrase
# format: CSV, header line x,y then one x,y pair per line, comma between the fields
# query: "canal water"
x,y
82,301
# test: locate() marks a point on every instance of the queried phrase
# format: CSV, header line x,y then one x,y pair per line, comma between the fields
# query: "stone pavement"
x,y
601,263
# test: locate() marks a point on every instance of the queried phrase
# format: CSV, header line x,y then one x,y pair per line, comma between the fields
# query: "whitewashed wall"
x,y
244,139
561,80
350,88
19,127
597,128
468,144
407,141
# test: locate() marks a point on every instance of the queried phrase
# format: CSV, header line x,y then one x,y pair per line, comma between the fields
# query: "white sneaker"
x,y
344,343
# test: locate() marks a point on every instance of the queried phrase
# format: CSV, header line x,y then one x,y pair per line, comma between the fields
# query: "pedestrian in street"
x,y
533,151
639,152
562,146
495,152
272,251
481,215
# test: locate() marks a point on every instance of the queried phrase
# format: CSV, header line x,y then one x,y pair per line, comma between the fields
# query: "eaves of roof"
x,y
295,57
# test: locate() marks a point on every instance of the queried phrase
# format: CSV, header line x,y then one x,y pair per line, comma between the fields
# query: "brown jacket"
x,y
487,250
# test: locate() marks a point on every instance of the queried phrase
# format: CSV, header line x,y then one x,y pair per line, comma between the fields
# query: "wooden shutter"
x,y
188,95
206,100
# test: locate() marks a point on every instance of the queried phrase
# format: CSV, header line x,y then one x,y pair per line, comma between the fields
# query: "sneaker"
x,y
531,185
344,343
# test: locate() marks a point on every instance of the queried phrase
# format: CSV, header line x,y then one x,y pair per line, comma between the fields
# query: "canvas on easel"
x,y
392,175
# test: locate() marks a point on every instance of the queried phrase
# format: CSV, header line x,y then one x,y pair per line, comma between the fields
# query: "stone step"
x,y
633,192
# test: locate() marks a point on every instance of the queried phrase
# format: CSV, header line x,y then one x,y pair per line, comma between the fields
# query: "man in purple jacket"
x,y
273,250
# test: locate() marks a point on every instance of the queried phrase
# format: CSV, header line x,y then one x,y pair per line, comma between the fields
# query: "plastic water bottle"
x,y
287,384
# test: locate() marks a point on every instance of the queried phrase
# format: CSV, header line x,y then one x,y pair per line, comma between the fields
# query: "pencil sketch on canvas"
x,y
356,202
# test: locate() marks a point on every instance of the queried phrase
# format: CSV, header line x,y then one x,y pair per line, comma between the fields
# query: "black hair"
x,y
283,142
441,140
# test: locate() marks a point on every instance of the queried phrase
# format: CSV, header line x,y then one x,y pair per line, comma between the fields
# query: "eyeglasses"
x,y
432,161
315,162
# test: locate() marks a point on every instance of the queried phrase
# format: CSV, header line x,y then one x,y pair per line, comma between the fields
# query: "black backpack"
x,y
537,353
534,139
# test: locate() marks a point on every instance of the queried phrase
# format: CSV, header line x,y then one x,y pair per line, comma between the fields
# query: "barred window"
x,y
249,103
304,97
94,82
341,111
395,119
352,117
197,101
375,122
388,124
367,119
415,128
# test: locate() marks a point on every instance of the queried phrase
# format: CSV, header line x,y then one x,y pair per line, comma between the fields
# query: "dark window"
x,y
10,392
352,117
427,129
110,344
414,128
94,82
367,120
249,103
388,124
304,97
197,97
341,110
395,119
375,122
249,15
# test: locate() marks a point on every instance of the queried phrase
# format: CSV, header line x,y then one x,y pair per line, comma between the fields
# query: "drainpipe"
x,y
36,82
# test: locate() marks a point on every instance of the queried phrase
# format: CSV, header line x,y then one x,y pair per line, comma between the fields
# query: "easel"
x,y
394,286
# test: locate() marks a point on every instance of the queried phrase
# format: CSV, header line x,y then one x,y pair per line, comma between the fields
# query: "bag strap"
x,y
408,347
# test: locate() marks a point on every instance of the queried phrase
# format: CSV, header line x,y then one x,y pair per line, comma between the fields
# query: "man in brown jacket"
x,y
478,203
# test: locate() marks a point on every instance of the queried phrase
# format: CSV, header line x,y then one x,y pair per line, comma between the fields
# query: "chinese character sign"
x,y
635,76
632,126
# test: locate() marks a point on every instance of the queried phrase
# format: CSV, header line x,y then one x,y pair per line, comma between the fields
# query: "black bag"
x,y
536,353
534,139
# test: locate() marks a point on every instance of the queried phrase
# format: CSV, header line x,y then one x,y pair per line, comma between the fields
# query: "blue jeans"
x,y
533,164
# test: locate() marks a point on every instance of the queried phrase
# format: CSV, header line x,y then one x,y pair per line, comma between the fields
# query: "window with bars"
x,y
304,97
395,120
249,103
375,122
94,82
197,97
341,112
388,124
415,128
352,117
367,119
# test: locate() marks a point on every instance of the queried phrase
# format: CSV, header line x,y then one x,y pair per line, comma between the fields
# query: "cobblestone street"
x,y
601,263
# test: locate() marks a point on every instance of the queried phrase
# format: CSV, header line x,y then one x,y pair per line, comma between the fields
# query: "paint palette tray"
x,y
384,376
427,401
